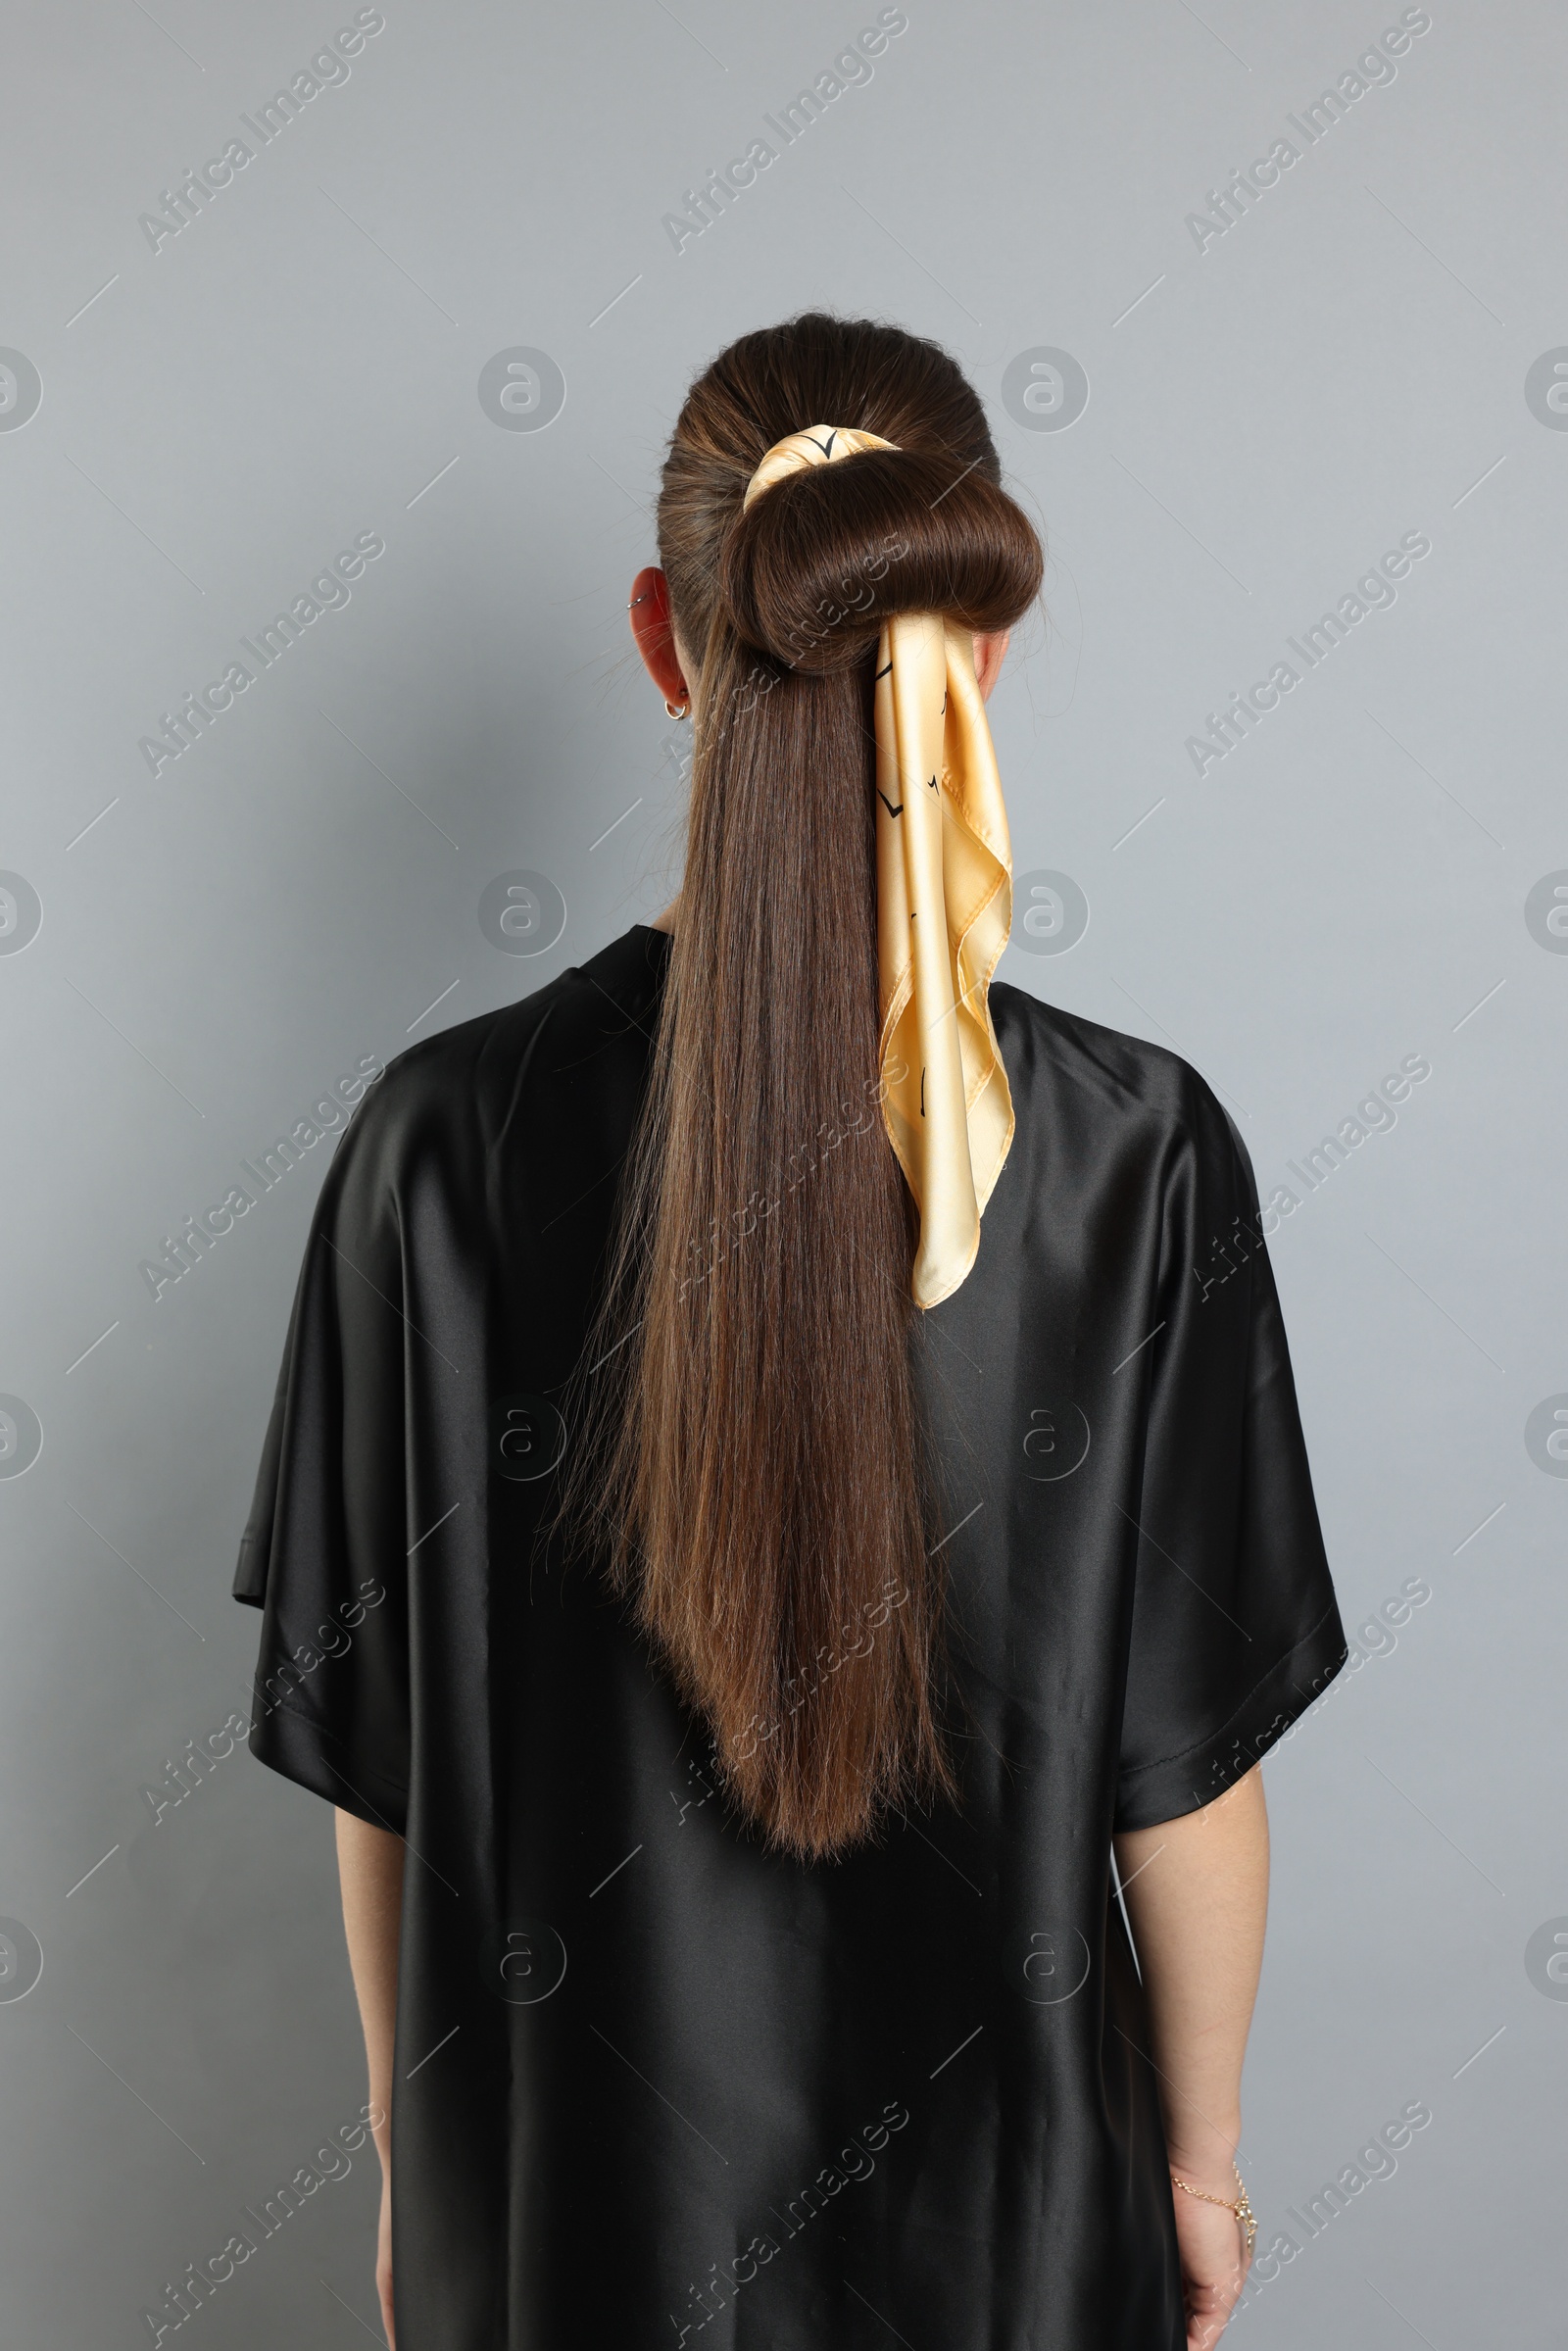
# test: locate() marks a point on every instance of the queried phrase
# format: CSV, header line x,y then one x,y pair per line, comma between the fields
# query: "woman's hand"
x,y
1213,2253
383,2255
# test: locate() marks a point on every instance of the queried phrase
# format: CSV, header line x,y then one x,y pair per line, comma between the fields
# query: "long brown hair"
x,y
751,1458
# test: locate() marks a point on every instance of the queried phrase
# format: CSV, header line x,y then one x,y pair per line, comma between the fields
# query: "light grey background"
x,y
218,942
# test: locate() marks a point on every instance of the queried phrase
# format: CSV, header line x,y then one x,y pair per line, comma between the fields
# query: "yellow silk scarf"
x,y
944,863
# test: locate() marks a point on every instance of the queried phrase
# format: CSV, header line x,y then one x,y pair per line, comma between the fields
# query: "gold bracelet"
x,y
1240,2207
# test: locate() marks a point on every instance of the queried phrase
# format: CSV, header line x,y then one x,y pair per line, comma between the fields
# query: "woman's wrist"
x,y
1207,2153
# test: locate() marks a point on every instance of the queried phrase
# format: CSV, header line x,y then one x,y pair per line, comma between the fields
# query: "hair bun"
x,y
809,571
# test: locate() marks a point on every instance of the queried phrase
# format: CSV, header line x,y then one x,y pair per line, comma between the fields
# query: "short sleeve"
x,y
1235,1628
324,1555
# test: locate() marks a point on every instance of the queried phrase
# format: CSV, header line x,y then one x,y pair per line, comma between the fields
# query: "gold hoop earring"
x,y
679,709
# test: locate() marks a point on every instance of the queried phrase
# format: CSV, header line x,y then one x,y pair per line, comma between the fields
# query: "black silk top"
x,y
655,2086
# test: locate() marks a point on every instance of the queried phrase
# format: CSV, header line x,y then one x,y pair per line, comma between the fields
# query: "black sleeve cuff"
x,y
1152,1792
288,1741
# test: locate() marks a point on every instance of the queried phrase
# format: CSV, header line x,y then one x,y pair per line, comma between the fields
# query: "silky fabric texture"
x,y
944,867
944,864
655,2084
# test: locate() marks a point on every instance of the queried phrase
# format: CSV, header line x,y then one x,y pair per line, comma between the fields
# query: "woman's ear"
x,y
989,651
653,631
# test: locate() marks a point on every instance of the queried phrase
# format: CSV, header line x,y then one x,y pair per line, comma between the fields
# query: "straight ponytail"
x,y
752,1464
